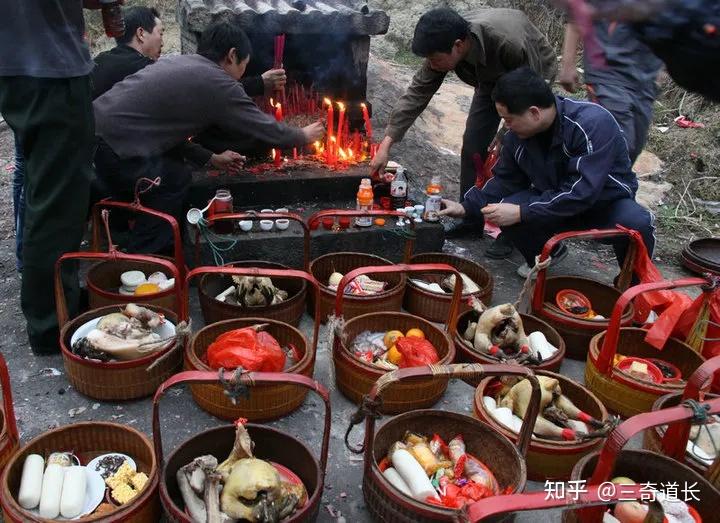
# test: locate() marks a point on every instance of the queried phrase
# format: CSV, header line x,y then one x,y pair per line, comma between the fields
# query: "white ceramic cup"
x,y
245,225
266,225
419,209
282,224
282,209
267,211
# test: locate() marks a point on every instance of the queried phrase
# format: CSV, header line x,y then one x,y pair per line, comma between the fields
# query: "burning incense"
x,y
368,125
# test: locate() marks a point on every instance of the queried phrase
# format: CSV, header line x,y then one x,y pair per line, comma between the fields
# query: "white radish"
x,y
413,474
51,491
31,481
72,499
396,481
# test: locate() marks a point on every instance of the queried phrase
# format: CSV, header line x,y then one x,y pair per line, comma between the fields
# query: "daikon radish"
x,y
396,481
51,491
540,345
413,474
31,481
489,403
72,499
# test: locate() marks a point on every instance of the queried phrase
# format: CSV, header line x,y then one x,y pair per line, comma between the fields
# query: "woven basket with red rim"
x,y
466,353
9,437
549,459
270,444
116,380
620,391
267,401
505,459
577,332
434,306
645,467
355,378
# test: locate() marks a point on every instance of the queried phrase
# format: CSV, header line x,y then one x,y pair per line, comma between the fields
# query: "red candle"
x,y
277,157
356,142
278,112
341,124
330,123
368,125
295,156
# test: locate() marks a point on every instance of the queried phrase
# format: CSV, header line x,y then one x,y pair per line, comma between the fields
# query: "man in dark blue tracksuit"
x,y
564,166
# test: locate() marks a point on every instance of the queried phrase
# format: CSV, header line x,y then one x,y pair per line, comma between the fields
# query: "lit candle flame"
x,y
341,105
363,105
342,154
272,102
327,101
333,139
350,153
274,153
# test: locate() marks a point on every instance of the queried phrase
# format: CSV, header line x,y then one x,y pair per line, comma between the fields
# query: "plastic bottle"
x,y
365,200
112,17
398,189
434,200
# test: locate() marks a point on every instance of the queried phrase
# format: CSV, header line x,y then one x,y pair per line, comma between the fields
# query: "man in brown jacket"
x,y
480,48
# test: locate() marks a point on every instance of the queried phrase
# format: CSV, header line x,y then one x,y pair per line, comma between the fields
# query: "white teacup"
x,y
282,224
245,225
266,225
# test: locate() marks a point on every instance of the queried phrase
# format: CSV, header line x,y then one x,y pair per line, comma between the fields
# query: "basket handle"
x,y
247,379
138,208
257,216
61,304
593,234
255,271
406,268
675,439
539,501
314,221
8,407
617,439
612,335
373,401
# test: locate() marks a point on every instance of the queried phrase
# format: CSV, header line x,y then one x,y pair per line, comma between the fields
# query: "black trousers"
x,y
480,128
530,238
149,235
53,119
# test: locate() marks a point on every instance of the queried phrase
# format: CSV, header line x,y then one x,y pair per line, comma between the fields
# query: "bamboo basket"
x,y
103,278
120,380
643,466
502,457
355,378
578,332
549,459
270,444
618,390
268,401
88,440
391,299
658,439
434,306
467,354
9,437
289,311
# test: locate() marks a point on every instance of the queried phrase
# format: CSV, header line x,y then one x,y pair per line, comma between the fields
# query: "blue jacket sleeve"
x,y
507,179
595,145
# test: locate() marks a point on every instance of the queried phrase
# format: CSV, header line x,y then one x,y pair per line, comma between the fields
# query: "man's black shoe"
x,y
500,249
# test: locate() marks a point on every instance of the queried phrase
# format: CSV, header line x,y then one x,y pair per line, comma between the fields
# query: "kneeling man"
x,y
564,166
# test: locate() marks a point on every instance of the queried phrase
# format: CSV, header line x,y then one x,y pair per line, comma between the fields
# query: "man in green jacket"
x,y
480,48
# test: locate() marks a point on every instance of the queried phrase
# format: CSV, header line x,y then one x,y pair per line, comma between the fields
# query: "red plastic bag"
x,y
416,352
246,348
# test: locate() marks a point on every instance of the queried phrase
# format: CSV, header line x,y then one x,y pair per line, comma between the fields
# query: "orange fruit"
x,y
390,337
379,222
146,288
394,356
415,333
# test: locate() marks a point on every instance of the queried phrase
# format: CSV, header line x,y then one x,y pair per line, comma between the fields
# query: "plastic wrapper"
x,y
416,352
246,348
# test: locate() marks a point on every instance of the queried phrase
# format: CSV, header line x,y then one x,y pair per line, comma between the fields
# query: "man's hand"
x,y
274,80
502,214
569,78
313,132
452,209
229,161
382,155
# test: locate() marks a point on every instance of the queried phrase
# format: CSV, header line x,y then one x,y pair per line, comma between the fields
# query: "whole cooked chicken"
x,y
257,291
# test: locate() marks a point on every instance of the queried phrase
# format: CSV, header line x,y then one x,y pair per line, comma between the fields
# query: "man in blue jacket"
x,y
564,166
